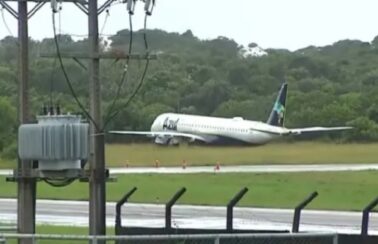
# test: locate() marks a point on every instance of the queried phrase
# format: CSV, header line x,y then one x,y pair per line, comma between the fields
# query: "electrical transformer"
x,y
57,142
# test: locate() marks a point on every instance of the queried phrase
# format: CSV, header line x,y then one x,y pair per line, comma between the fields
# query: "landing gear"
x,y
173,142
167,141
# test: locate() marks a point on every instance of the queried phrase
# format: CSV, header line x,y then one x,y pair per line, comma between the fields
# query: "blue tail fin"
x,y
277,116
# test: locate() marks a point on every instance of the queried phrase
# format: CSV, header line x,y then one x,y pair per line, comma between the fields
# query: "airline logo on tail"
x,y
277,116
280,110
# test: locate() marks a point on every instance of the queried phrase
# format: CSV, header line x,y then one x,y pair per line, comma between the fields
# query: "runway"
x,y
75,213
274,168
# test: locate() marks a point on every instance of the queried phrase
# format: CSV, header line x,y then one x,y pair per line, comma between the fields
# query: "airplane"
x,y
173,128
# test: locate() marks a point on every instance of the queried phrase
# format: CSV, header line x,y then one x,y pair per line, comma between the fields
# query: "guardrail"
x,y
8,228
303,238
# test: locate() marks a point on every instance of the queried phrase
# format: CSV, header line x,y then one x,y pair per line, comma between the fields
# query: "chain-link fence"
x,y
289,238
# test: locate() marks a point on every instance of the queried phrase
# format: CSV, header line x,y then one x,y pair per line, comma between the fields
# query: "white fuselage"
x,y
217,130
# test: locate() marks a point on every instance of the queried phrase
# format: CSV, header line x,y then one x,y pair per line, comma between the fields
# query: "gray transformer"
x,y
57,142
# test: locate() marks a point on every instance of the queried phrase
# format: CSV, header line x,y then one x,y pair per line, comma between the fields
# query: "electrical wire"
x,y
59,182
141,81
5,22
68,81
52,74
63,32
105,21
60,21
123,80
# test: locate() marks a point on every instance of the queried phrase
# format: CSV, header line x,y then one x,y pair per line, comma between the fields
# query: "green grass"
x,y
337,190
63,230
7,163
277,153
117,155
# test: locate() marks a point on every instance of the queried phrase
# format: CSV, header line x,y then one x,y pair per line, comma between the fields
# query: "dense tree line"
x,y
332,85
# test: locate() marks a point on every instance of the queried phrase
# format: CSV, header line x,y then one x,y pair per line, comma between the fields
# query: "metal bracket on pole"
x,y
230,207
38,6
298,209
9,9
35,9
123,200
365,216
168,207
104,6
82,7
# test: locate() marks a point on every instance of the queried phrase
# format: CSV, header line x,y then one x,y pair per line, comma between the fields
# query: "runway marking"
x,y
274,168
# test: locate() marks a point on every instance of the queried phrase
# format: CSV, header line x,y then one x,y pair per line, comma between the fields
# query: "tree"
x,y
7,123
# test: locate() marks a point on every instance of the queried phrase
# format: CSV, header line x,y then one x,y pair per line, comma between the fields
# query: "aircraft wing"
x,y
160,133
298,131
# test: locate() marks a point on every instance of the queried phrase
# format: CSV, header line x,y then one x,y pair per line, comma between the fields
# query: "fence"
x,y
289,238
168,229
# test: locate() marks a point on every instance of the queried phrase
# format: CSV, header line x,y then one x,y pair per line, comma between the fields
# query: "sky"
x,y
290,24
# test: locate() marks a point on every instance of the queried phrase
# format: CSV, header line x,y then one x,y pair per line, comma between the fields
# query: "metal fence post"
x,y
94,239
168,207
298,209
365,216
230,207
119,204
216,240
336,239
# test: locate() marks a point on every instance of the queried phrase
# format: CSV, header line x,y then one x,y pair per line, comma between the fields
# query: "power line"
x,y
105,21
5,22
141,81
108,117
59,182
68,81
52,83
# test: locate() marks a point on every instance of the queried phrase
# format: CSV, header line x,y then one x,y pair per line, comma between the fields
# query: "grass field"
x,y
63,230
278,153
341,190
117,155
7,164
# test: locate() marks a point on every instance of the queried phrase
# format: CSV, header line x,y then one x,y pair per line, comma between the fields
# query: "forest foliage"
x,y
330,86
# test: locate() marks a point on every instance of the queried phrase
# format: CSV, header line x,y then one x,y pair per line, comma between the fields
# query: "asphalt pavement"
x,y
75,213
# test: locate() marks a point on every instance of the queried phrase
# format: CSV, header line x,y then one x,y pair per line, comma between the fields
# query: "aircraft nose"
x,y
154,125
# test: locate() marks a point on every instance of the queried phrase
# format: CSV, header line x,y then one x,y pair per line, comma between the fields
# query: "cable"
x,y
106,19
67,78
5,22
60,21
59,182
63,32
108,117
145,34
52,84
141,81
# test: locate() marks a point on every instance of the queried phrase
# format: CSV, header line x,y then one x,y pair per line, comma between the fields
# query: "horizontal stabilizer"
x,y
298,131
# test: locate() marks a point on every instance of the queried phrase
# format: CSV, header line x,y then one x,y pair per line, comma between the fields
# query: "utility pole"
x,y
97,212
25,175
26,186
